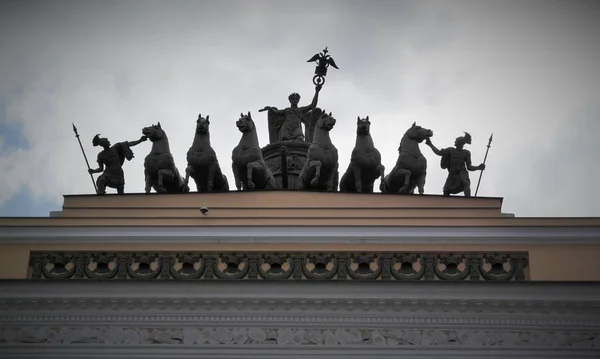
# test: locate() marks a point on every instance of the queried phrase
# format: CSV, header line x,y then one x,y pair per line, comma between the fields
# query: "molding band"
x,y
302,235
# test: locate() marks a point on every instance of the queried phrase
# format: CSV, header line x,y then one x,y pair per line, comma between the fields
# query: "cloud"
x,y
525,72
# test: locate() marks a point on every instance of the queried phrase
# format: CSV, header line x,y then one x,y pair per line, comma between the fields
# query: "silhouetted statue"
x,y
286,124
365,163
203,165
457,161
411,167
321,168
159,167
249,168
110,162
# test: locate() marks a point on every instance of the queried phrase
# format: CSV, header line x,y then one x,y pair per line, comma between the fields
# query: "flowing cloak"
x,y
457,172
277,131
113,159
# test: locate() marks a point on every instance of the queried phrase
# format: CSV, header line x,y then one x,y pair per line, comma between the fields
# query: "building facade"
x,y
296,275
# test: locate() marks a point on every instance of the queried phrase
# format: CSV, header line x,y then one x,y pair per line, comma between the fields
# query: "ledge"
x,y
464,290
20,234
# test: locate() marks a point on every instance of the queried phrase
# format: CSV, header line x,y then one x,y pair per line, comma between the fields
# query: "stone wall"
x,y
296,319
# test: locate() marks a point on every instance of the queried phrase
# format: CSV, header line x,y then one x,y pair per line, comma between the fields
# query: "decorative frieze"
x,y
406,266
115,335
275,319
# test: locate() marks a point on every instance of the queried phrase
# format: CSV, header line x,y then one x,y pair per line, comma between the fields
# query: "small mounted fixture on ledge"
x,y
204,209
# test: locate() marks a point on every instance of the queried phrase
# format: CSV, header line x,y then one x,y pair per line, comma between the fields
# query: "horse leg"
x,y
270,178
331,185
160,188
210,177
357,178
302,177
406,173
225,185
184,187
251,166
148,181
188,171
421,183
317,165
236,177
220,180
344,182
381,170
383,186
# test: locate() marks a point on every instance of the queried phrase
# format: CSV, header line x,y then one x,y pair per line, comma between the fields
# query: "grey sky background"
x,y
528,71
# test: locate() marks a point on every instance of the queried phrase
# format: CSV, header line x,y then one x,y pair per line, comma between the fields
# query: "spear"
x,y
85,157
484,159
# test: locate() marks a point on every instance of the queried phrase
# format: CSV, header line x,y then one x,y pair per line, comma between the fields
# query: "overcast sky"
x,y
528,71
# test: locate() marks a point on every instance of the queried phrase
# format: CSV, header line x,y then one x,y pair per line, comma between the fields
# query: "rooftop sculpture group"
x,y
292,160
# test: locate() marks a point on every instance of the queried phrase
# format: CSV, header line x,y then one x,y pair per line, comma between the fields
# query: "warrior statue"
x,y
457,161
285,124
110,162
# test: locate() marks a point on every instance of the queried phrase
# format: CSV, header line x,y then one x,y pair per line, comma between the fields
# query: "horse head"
x,y
326,121
418,133
154,133
363,126
202,125
245,123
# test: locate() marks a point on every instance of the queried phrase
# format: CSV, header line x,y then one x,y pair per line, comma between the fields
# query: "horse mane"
x,y
404,137
249,119
323,115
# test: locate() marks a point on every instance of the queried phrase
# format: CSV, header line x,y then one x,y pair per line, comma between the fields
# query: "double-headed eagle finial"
x,y
323,61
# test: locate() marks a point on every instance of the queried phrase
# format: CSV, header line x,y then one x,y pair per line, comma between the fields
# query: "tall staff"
x,y
484,159
85,157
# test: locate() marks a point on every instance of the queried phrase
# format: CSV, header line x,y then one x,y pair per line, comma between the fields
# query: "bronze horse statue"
x,y
159,167
202,163
249,167
411,168
320,170
365,162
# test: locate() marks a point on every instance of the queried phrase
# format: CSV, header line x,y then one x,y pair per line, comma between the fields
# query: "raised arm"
x,y
135,143
433,148
313,104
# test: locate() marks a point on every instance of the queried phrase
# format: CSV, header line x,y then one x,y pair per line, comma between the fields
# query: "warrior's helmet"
x,y
96,140
466,139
